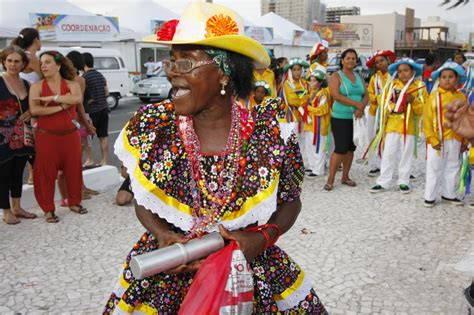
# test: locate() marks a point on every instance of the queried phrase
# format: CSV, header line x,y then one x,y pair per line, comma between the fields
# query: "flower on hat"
x,y
219,25
166,32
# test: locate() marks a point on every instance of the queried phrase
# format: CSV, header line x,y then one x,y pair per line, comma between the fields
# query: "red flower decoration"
x,y
166,32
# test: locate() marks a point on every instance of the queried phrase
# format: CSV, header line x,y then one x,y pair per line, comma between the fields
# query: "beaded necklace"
x,y
213,191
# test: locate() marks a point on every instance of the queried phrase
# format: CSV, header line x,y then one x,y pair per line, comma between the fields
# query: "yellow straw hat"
x,y
211,25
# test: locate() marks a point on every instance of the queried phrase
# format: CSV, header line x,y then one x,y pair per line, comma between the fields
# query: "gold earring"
x,y
223,88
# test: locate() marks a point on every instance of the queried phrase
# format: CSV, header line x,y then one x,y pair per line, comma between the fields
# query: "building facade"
x,y
301,12
435,34
333,14
387,28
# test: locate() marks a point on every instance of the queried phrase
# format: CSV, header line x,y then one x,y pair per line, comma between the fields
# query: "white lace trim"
x,y
261,212
297,296
287,129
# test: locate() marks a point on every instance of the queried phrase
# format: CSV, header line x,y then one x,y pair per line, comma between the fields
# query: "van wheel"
x,y
112,101
145,100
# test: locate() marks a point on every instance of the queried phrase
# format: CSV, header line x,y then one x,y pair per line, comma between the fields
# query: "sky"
x,y
250,9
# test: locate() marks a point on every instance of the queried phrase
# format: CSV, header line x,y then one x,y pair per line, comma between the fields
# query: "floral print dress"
x,y
152,150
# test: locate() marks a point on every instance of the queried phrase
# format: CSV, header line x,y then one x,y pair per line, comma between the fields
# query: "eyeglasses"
x,y
183,66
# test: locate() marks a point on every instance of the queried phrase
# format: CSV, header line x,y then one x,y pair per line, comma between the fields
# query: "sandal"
x,y
90,191
51,217
78,209
11,220
349,182
25,214
328,187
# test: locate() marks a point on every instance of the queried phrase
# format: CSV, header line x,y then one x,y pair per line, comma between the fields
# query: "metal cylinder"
x,y
167,258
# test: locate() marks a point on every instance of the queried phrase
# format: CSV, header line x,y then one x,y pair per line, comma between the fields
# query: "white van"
x,y
110,63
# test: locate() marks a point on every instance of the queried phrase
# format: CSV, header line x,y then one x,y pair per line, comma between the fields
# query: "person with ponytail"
x,y
443,144
379,65
29,40
402,102
58,143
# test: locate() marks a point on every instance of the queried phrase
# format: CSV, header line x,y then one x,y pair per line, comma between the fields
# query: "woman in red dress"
x,y
58,145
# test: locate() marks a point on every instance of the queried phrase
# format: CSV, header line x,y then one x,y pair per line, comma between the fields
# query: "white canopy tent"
x,y
14,14
282,43
137,15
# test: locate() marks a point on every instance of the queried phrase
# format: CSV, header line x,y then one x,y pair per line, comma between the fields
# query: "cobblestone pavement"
x,y
366,254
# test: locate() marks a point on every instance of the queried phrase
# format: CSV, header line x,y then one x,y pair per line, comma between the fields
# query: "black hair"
x,y
14,49
66,70
430,59
88,59
460,54
344,54
77,59
26,38
241,78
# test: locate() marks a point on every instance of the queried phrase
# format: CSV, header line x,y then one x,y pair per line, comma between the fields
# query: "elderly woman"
x,y
58,148
14,152
201,163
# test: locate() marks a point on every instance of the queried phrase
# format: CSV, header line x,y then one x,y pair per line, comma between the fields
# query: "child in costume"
x,y
318,56
266,75
443,144
379,64
317,116
402,102
295,89
261,91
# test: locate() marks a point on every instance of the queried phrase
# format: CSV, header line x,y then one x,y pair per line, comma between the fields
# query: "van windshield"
x,y
106,63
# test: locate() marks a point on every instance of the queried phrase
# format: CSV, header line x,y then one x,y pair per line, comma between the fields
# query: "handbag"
x,y
22,133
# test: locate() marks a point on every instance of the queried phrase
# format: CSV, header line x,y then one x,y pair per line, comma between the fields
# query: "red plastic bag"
x,y
222,285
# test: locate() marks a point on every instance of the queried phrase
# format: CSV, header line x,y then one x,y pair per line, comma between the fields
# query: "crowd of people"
x,y
50,107
402,103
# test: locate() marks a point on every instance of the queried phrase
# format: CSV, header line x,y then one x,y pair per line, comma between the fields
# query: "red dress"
x,y
58,148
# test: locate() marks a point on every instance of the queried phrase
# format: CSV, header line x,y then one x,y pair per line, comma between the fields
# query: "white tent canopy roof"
x,y
137,15
282,28
14,14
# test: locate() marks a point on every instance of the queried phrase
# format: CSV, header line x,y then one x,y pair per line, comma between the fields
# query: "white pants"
x,y
442,170
396,151
374,159
314,161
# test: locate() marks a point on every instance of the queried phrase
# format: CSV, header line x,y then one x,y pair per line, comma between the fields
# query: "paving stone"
x,y
382,253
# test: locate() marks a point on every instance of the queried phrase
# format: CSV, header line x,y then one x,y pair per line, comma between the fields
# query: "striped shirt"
x,y
95,84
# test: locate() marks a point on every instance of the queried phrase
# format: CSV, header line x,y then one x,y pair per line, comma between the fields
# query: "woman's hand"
x,y
358,113
168,238
250,243
90,129
45,99
361,107
25,117
410,98
437,147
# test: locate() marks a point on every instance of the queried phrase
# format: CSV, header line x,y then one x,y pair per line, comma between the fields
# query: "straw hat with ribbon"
x,y
211,25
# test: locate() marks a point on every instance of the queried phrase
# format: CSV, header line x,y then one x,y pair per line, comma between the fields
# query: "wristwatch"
x,y
55,97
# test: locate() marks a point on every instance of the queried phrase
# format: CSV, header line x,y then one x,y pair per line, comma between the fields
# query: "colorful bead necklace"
x,y
213,191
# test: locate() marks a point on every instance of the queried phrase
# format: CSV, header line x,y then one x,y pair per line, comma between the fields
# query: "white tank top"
x,y
31,77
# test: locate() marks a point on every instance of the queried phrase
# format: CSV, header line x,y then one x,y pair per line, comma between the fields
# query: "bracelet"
x,y
56,97
261,228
